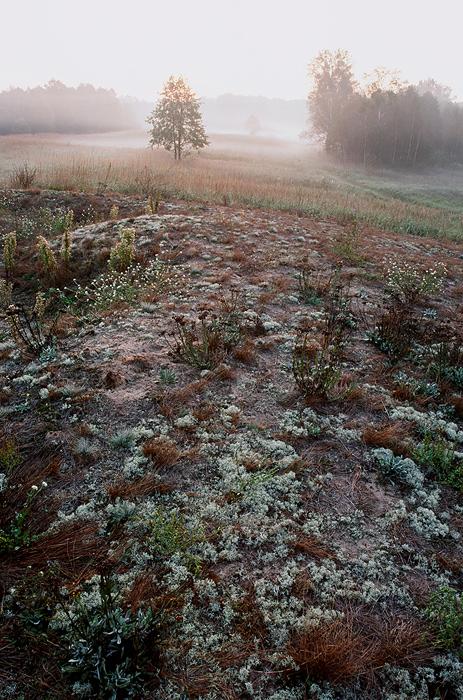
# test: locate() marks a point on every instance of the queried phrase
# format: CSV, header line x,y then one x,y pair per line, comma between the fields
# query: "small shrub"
x,y
316,369
66,243
152,204
410,284
205,343
114,212
9,456
123,253
18,535
438,456
348,245
23,177
311,286
168,534
6,291
115,287
394,331
28,326
445,361
397,469
445,613
110,648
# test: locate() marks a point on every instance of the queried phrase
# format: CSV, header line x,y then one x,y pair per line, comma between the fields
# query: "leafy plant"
x,y
445,612
438,456
9,455
110,647
18,535
123,253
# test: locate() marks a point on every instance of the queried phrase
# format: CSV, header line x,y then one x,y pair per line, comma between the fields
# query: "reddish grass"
x,y
358,645
311,545
146,486
162,452
393,436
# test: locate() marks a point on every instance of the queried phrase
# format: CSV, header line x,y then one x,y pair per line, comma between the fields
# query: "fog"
x,y
247,48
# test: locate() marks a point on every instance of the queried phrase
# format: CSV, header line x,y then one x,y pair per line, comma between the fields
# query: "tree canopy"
x,y
176,121
387,122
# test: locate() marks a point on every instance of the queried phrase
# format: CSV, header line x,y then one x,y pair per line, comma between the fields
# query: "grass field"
x,y
254,172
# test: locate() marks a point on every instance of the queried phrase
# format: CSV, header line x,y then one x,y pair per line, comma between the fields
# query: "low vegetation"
x,y
230,453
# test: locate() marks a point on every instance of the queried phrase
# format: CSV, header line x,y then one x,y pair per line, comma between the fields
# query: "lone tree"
x,y
176,119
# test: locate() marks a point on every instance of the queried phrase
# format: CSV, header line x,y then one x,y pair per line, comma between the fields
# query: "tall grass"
x,y
297,182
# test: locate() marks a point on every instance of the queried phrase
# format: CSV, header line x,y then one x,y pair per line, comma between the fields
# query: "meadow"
x,y
240,170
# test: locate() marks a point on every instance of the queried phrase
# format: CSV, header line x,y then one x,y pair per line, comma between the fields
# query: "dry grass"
x,y
357,645
162,452
291,179
392,436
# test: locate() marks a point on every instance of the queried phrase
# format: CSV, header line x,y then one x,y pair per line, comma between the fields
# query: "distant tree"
x,y
333,87
442,93
388,121
252,125
383,80
176,120
57,107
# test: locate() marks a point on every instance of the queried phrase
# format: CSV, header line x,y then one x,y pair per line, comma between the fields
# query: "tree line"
x,y
386,121
55,107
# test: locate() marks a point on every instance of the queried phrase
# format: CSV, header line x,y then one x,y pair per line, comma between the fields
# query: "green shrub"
x,y
410,284
438,456
18,535
110,648
123,253
115,287
445,612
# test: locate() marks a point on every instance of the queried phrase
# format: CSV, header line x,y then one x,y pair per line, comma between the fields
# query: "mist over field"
x,y
231,350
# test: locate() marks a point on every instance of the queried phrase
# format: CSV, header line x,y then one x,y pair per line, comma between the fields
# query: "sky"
x,y
248,47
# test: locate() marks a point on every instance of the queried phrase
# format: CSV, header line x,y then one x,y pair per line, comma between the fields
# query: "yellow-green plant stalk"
x,y
152,204
68,220
46,256
123,253
9,252
40,305
66,243
114,212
